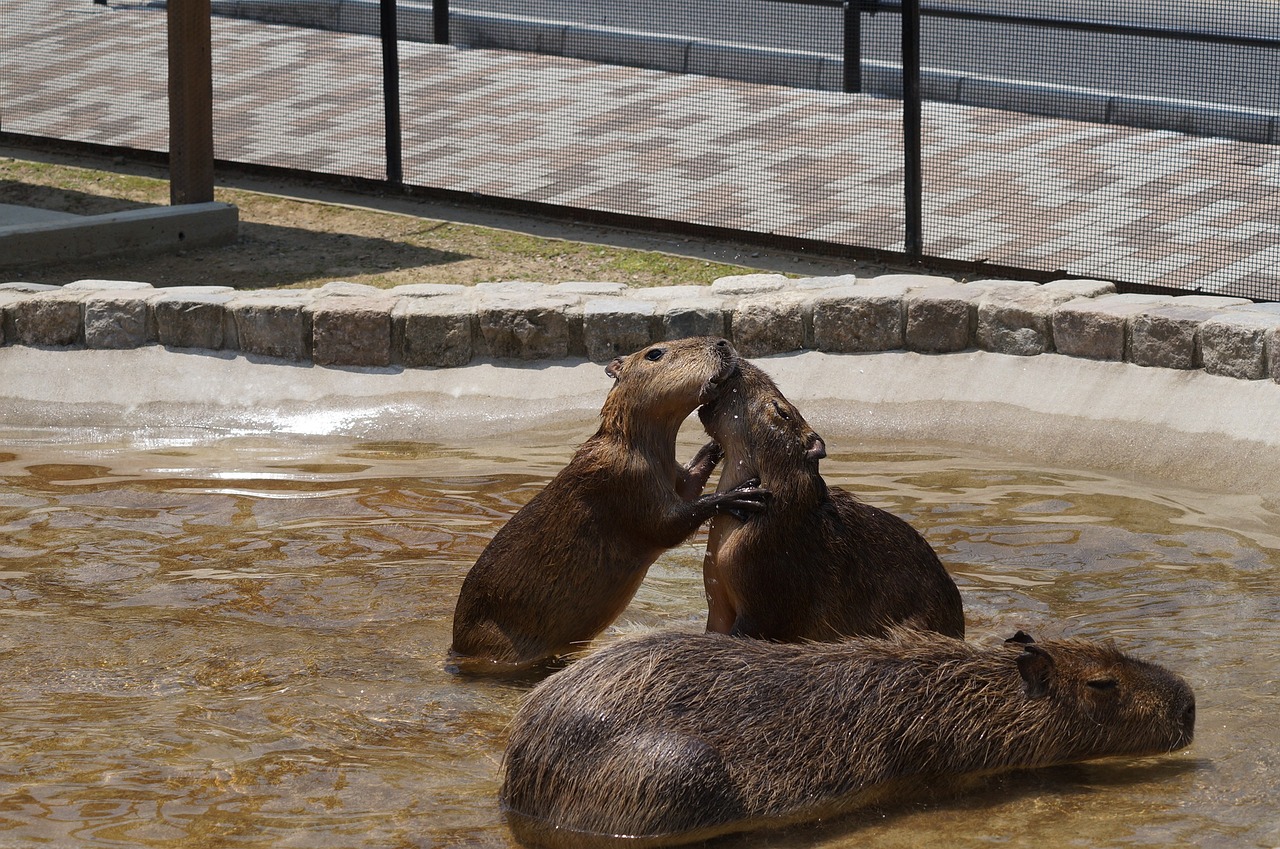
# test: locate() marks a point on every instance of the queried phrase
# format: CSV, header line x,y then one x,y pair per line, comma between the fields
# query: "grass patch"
x,y
290,242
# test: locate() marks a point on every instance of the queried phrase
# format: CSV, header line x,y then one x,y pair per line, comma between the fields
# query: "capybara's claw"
x,y
744,500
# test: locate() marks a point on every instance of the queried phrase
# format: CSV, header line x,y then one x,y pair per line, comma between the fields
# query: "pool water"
x,y
239,641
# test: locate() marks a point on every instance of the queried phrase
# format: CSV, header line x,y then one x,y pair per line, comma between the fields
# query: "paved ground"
x,y
1050,194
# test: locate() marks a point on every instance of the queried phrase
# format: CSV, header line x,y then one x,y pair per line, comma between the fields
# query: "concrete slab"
x,y
12,215
33,237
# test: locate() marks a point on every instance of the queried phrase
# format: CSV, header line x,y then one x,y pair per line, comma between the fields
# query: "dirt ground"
x,y
295,233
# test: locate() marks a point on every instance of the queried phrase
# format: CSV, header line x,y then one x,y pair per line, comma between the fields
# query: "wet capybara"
x,y
676,737
568,562
816,563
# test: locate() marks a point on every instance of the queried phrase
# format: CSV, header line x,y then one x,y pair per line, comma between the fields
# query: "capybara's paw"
x,y
744,500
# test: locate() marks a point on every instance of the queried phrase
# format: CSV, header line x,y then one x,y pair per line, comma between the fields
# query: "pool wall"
x,y
436,325
1066,373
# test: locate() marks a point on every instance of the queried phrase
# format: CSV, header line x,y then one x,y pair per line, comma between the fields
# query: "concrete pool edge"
x,y
1189,427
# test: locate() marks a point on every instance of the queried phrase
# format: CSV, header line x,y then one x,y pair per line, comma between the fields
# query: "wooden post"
x,y
190,102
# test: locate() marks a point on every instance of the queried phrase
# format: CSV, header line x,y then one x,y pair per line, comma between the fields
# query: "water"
x,y
239,642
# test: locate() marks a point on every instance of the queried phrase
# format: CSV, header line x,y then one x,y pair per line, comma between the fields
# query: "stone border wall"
x,y
439,326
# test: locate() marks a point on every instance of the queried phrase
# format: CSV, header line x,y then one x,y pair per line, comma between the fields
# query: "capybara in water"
x,y
676,737
568,562
816,563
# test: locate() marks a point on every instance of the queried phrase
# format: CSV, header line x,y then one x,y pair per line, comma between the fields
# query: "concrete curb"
x,y
439,326
766,65
160,229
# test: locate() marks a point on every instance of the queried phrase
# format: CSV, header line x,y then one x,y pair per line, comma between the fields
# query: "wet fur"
x,y
674,737
817,563
568,562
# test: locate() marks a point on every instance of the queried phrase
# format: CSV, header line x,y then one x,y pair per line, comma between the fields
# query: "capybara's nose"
x,y
1189,714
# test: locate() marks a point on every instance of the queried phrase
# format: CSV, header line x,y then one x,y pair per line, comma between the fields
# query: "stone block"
x,y
1273,354
588,289
910,281
429,290
941,319
1214,301
686,317
616,326
434,332
194,317
1097,327
1167,335
47,318
351,330
20,287
108,285
818,283
274,324
119,319
510,287
748,284
773,323
1272,307
1018,321
1234,344
1082,288
671,293
347,289
532,327
855,319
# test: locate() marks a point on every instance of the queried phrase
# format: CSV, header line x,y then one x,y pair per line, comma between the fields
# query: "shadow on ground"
x,y
264,256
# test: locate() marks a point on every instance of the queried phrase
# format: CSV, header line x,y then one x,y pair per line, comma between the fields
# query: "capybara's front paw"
x,y
744,500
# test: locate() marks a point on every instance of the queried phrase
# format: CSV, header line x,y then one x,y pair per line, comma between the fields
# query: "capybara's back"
x,y
675,737
816,563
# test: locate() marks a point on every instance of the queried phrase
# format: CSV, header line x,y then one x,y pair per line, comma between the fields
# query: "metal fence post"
x,y
390,37
852,46
913,186
440,21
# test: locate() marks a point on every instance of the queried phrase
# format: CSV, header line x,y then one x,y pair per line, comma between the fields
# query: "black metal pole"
x,y
913,186
389,33
440,21
852,46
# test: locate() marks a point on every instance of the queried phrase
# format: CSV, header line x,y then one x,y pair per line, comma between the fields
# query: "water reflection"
x,y
241,642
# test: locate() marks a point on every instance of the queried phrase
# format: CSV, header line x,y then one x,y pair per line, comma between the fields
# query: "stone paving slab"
x,y
349,325
1021,191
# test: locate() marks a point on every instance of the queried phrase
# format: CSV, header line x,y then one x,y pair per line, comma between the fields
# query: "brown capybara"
x,y
676,737
568,562
816,563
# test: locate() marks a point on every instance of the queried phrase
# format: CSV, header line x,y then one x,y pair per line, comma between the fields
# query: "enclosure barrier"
x,y
440,326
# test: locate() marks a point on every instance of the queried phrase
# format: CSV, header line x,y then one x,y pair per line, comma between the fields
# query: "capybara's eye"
x,y
654,354
1103,685
777,408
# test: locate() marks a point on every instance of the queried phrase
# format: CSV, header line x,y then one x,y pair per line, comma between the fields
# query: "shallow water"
x,y
238,642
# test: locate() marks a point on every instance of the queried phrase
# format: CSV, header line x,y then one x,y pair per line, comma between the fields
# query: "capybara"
x,y
676,737
816,563
568,562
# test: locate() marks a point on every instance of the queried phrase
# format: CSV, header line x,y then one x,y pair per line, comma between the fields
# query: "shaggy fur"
x,y
817,563
675,737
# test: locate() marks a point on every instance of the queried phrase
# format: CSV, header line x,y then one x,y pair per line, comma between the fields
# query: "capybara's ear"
x,y
1036,667
614,368
1020,637
817,448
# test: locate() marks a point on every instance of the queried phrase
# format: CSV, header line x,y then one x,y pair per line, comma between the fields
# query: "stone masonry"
x,y
441,326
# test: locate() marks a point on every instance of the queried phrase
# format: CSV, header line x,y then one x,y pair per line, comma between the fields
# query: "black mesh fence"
x,y
1133,142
